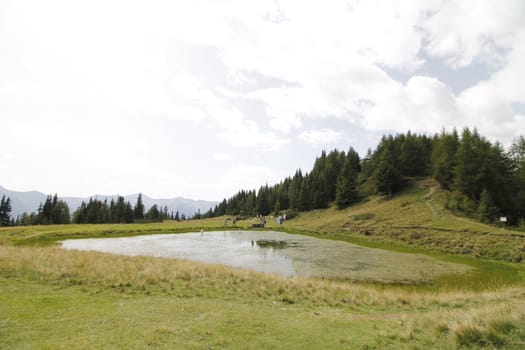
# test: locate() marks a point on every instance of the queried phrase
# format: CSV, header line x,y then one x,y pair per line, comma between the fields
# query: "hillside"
x,y
485,181
416,217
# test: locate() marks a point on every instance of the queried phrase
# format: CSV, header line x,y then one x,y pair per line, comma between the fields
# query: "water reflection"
x,y
277,252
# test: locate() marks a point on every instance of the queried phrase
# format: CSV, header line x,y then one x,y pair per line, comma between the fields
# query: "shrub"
x,y
493,336
291,214
469,336
502,326
364,216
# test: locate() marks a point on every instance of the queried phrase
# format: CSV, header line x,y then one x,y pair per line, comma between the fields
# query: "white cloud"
x,y
222,156
250,75
461,33
323,136
247,177
488,104
423,104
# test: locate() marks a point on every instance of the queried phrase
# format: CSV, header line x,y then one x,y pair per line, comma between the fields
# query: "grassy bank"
x,y
51,298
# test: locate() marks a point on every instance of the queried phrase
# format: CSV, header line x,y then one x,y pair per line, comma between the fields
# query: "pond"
x,y
279,253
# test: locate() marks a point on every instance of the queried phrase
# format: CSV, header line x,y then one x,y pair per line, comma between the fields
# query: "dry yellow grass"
x,y
180,276
465,318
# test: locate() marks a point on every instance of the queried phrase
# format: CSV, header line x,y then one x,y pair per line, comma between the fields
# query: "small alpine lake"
x,y
279,253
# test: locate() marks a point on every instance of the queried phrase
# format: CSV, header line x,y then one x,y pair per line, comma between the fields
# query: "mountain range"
x,y
29,202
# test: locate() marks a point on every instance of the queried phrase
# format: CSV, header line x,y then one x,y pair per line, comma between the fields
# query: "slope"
x,y
416,217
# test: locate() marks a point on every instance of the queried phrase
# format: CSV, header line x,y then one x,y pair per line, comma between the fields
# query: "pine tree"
x,y
138,210
154,214
469,164
295,189
277,207
346,186
487,211
305,198
414,155
444,158
5,211
262,206
387,176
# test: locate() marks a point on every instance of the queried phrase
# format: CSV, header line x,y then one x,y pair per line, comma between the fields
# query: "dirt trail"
x,y
429,199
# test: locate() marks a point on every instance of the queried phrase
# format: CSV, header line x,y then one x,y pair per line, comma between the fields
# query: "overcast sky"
x,y
203,98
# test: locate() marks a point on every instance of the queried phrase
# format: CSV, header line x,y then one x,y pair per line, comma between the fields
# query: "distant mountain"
x,y
29,202
23,201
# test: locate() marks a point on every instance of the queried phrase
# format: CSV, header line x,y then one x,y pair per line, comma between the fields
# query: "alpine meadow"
x,y
413,194
272,174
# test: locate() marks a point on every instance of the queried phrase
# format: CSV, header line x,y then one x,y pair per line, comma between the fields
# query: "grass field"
x,y
56,299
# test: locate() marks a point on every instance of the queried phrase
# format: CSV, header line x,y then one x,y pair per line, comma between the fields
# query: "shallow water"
x,y
279,253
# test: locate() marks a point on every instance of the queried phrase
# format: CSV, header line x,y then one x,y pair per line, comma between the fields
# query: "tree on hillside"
x,y
352,157
387,176
469,164
444,158
346,185
294,189
487,211
5,211
517,152
138,210
517,155
262,205
414,155
305,198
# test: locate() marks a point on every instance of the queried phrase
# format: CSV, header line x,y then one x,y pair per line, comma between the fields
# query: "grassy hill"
x,y
53,299
416,218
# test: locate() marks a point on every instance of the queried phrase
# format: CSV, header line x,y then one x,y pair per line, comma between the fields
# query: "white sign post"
x,y
503,219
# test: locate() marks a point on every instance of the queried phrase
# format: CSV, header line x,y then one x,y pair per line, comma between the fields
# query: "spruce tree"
x,y
138,211
5,211
277,207
153,214
346,186
262,206
444,158
487,211
387,176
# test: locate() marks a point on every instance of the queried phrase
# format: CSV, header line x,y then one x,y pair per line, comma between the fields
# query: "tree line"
x,y
482,179
52,211
95,211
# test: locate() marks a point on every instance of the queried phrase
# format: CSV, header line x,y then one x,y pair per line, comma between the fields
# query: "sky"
x,y
203,98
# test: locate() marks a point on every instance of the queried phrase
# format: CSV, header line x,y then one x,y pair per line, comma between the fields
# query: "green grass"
x,y
49,234
415,219
51,298
56,299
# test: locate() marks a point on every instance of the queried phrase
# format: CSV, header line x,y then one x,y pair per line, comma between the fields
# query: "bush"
x,y
493,336
469,336
364,216
291,214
